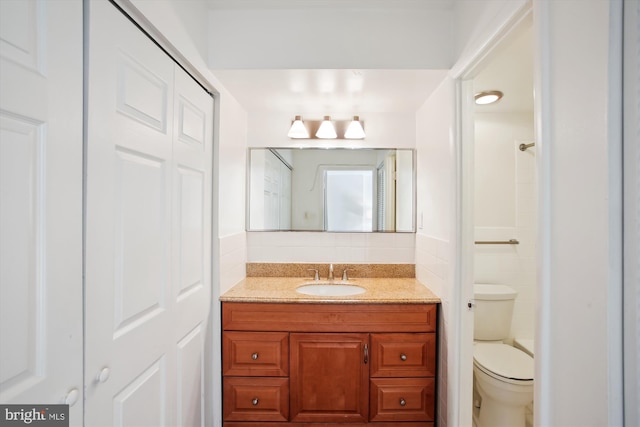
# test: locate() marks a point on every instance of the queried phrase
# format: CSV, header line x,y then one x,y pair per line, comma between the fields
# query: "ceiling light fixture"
x,y
354,130
326,130
488,97
298,130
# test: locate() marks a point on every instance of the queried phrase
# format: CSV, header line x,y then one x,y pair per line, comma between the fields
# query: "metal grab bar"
x,y
498,242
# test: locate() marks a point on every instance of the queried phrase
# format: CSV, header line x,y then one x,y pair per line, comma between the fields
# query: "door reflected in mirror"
x,y
339,190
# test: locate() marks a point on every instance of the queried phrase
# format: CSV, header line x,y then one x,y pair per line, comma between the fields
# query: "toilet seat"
x,y
504,362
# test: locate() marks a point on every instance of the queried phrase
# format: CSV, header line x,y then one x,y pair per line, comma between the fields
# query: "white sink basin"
x,y
330,289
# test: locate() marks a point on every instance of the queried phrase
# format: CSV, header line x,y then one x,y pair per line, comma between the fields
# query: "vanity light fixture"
x,y
488,97
298,130
326,129
354,130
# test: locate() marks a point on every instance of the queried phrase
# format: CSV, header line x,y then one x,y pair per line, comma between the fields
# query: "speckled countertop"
x,y
283,290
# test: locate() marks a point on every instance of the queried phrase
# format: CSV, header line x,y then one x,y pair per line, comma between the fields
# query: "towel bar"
x,y
498,242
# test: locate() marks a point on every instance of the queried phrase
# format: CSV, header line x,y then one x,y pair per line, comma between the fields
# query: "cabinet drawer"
x,y
255,353
403,355
329,317
256,399
402,399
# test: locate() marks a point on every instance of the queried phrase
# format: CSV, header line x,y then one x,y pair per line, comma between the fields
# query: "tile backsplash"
x,y
315,247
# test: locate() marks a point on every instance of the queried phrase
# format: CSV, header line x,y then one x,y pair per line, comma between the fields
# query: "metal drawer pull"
x,y
255,401
254,356
402,402
403,357
366,354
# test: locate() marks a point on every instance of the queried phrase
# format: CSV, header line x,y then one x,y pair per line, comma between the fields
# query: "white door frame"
x,y
466,69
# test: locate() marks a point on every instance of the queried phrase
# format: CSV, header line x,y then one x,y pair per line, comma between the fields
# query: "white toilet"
x,y
503,375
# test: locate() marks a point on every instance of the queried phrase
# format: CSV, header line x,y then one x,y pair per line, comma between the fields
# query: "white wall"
x,y
576,383
231,171
436,168
323,35
505,208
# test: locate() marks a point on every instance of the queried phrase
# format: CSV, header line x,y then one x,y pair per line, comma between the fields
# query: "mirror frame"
x,y
413,180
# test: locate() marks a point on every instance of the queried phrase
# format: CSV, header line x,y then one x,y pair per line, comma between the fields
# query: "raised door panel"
x,y
329,377
190,378
403,355
144,391
402,399
22,230
256,399
255,354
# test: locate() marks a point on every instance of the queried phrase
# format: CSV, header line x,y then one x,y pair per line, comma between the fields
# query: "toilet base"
x,y
501,404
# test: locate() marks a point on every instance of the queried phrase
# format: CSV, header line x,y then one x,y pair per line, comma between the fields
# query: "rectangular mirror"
x,y
336,189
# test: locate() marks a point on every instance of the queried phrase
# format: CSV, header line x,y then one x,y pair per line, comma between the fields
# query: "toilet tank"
x,y
493,311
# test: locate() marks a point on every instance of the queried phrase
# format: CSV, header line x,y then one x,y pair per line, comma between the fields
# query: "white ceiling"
x,y
335,91
509,69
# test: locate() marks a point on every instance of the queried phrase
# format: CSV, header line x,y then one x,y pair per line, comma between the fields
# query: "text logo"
x,y
34,415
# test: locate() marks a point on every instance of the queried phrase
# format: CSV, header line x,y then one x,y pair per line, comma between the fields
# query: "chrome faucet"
x,y
316,276
330,272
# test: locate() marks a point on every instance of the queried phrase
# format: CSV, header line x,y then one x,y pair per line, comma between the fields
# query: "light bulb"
x,y
354,130
326,129
298,130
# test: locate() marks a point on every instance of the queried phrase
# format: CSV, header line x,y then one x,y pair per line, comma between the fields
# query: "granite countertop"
x,y
283,290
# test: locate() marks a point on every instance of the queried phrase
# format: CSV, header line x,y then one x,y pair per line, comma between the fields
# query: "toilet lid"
x,y
503,360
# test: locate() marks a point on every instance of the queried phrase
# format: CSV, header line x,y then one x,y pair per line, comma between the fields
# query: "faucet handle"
x,y
316,276
344,275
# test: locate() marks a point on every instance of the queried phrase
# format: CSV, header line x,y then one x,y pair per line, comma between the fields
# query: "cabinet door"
x,y
329,377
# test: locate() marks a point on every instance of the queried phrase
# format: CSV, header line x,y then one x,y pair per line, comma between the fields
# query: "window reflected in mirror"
x,y
338,190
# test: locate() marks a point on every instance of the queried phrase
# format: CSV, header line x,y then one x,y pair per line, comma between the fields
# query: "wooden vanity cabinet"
x,y
329,364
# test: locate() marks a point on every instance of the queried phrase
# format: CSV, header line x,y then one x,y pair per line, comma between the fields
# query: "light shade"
x,y
298,129
488,97
326,129
354,130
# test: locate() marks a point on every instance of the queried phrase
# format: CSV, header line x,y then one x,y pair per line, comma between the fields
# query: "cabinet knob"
x,y
402,402
103,375
403,357
254,356
72,397
255,401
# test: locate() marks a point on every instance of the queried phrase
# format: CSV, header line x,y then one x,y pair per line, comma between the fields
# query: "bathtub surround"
x,y
505,208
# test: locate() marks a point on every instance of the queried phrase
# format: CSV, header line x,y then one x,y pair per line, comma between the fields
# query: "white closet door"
x,y
191,244
41,203
148,231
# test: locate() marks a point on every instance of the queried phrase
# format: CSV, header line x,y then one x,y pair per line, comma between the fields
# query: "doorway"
x,y
499,184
